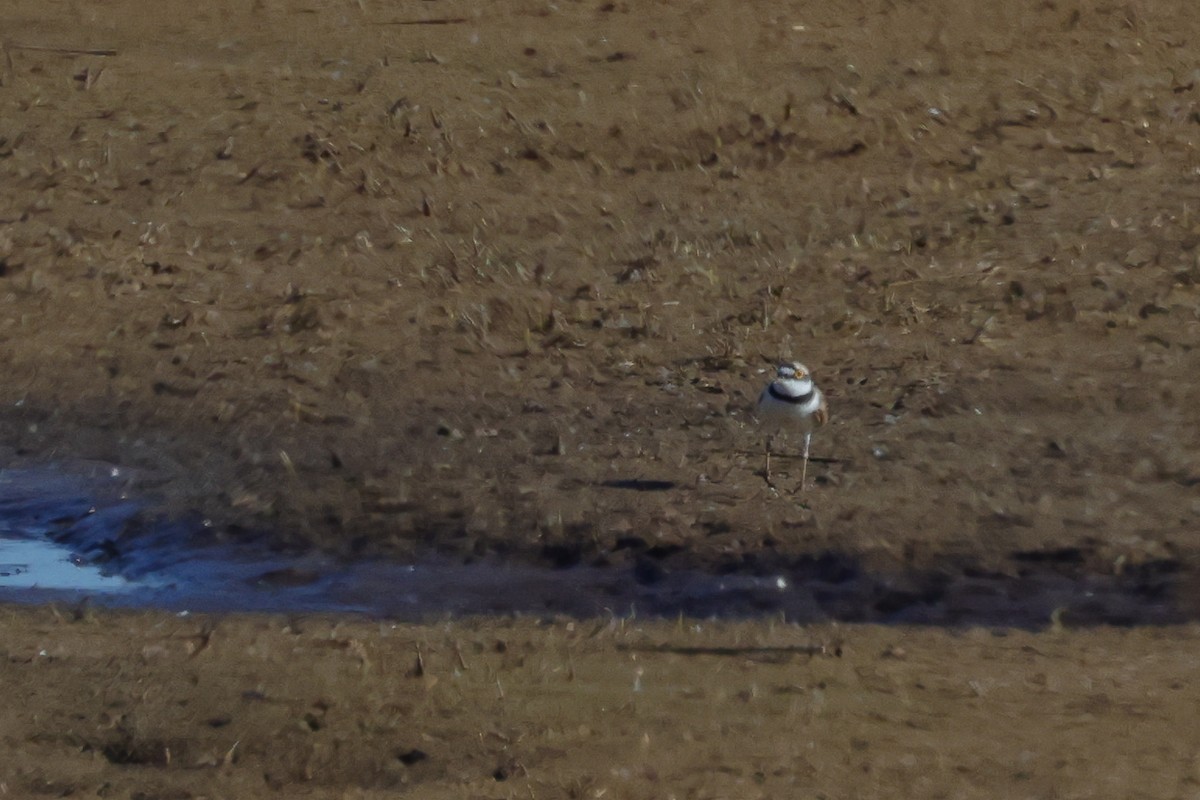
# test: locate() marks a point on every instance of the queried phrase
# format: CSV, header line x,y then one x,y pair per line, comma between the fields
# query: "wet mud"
x,y
126,558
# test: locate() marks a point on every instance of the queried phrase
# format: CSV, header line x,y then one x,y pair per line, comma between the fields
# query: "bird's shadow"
x,y
639,484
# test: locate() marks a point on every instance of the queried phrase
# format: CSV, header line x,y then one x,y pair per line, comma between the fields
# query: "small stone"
x,y
1144,470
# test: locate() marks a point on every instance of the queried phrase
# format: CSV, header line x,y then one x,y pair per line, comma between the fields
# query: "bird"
x,y
792,401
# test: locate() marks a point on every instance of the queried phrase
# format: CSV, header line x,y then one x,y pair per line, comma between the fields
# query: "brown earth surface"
x,y
153,706
505,279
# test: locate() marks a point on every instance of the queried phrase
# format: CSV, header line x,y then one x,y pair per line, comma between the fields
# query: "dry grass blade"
x,y
768,652
62,51
438,21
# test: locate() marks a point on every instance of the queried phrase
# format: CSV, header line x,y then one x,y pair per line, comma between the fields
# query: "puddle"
x,y
74,534
30,565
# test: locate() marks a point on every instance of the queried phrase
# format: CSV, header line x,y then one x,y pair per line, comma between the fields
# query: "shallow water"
x,y
74,533
37,564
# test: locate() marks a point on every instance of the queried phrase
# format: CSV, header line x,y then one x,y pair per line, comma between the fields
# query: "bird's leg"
x,y
767,465
804,469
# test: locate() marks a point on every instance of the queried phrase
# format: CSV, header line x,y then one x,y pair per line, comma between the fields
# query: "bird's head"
x,y
793,371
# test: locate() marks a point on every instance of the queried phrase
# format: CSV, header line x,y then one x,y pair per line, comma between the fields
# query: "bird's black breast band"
x,y
796,400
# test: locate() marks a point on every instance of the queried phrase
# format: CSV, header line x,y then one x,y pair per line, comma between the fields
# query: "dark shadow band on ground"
x,y
182,565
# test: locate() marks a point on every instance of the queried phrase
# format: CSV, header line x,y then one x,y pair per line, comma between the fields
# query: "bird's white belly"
x,y
784,415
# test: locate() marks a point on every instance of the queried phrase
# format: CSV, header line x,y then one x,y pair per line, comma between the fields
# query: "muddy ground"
x,y
504,281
